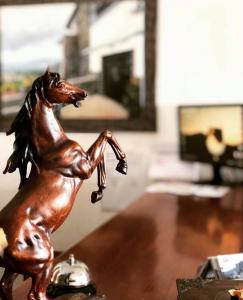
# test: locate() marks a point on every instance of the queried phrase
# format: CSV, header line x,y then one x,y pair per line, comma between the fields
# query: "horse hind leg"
x,y
6,284
40,283
35,259
41,279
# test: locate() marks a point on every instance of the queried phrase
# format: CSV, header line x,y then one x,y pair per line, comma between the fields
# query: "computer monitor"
x,y
212,134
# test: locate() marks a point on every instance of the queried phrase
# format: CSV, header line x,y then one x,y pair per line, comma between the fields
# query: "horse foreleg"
x,y
96,151
6,284
120,155
98,195
95,155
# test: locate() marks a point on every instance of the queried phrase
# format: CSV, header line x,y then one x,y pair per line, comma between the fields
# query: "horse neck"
x,y
46,130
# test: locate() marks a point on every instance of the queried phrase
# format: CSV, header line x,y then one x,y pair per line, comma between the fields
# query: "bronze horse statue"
x,y
46,196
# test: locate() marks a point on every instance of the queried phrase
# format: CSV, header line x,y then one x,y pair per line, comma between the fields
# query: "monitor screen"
x,y
212,134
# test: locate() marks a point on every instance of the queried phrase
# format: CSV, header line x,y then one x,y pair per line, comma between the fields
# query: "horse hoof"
x,y
96,196
122,167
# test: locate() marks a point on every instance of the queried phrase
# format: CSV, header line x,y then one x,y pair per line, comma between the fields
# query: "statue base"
x,y
80,296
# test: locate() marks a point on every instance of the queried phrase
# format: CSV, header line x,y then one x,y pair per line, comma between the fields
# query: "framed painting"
x,y
105,47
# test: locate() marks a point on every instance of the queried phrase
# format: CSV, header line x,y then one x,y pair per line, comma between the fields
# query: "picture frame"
x,y
146,119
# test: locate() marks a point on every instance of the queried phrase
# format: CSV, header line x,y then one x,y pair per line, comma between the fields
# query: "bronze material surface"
x,y
46,196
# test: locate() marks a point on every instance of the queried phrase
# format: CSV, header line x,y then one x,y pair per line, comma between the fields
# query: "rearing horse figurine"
x,y
46,197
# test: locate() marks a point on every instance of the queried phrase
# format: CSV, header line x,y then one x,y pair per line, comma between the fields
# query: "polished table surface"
x,y
139,253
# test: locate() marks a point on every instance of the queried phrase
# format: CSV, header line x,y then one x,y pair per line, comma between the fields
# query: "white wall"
x,y
200,56
200,51
200,60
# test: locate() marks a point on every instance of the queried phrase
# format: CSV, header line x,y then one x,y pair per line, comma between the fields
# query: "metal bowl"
x,y
71,273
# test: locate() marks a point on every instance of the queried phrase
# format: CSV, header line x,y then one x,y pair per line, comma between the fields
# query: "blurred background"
x,y
199,61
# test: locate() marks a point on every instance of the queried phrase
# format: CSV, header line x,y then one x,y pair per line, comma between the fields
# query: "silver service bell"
x,y
71,273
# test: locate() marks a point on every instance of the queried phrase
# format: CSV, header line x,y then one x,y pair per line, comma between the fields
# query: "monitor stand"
x,y
217,178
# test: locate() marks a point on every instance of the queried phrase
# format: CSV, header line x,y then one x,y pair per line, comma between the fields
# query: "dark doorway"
x,y
117,74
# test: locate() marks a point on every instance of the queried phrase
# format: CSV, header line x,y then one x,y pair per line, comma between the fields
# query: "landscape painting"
x,y
76,42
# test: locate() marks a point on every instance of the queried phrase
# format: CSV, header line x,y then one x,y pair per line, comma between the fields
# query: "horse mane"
x,y
24,152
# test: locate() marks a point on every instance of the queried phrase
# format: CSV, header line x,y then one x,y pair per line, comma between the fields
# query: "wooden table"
x,y
139,254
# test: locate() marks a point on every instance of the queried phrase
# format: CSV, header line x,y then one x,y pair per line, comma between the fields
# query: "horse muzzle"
x,y
78,97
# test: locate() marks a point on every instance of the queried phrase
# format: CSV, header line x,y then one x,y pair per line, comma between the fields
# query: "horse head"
x,y
59,91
